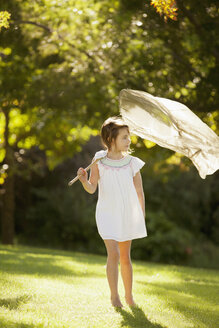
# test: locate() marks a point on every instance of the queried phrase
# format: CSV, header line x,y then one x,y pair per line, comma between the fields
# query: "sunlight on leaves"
x,y
167,8
149,144
134,139
2,154
212,120
174,159
4,19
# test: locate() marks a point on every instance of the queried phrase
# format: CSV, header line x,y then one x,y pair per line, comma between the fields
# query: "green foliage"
x,y
166,241
46,206
62,65
4,19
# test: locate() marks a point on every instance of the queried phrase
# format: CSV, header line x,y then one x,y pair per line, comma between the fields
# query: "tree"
x,y
63,65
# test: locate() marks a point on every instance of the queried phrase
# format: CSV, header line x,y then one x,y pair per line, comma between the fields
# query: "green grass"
x,y
52,288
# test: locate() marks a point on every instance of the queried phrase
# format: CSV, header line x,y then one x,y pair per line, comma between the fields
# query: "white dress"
x,y
119,215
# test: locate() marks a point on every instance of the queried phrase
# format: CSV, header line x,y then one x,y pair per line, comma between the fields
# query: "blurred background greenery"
x,y
62,65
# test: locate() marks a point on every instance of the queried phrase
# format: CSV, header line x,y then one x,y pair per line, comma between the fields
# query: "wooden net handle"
x,y
86,169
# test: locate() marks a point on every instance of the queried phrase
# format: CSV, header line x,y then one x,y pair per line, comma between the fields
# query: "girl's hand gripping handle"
x,y
83,173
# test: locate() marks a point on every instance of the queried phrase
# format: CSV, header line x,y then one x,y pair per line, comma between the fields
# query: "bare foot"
x,y
116,302
130,301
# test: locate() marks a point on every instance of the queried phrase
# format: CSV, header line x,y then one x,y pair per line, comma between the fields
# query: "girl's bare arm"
x,y
89,185
139,189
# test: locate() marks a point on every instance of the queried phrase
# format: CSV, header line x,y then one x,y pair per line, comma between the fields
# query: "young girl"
x,y
120,209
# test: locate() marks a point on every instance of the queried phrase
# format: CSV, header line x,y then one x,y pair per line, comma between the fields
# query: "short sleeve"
x,y
136,165
100,154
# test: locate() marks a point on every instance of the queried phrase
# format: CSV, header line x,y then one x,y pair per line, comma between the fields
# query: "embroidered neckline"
x,y
123,162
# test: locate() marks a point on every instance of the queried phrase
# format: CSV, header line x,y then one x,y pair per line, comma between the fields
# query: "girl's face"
x,y
123,140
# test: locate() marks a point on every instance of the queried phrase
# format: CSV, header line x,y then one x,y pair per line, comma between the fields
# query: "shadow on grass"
x,y
195,300
77,256
4,323
43,263
192,290
136,319
14,303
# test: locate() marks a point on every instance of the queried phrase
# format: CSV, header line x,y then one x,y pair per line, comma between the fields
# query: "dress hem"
x,y
122,239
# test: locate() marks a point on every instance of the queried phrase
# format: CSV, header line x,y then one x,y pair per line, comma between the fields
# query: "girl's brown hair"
x,y
110,130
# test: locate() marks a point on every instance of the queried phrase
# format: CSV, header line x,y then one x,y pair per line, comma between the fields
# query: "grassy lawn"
x,y
52,288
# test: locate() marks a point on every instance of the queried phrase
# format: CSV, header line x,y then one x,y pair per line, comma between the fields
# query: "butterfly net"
x,y
172,125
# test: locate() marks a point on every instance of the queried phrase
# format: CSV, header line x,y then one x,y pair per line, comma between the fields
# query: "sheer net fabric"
x,y
172,125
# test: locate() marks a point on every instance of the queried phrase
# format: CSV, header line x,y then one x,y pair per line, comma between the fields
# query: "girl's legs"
x,y
112,270
126,270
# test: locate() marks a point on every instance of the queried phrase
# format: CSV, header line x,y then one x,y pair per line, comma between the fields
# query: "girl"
x,y
120,209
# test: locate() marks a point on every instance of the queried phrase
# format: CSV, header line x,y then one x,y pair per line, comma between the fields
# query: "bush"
x,y
166,242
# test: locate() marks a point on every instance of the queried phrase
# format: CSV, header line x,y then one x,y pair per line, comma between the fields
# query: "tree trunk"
x,y
7,223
